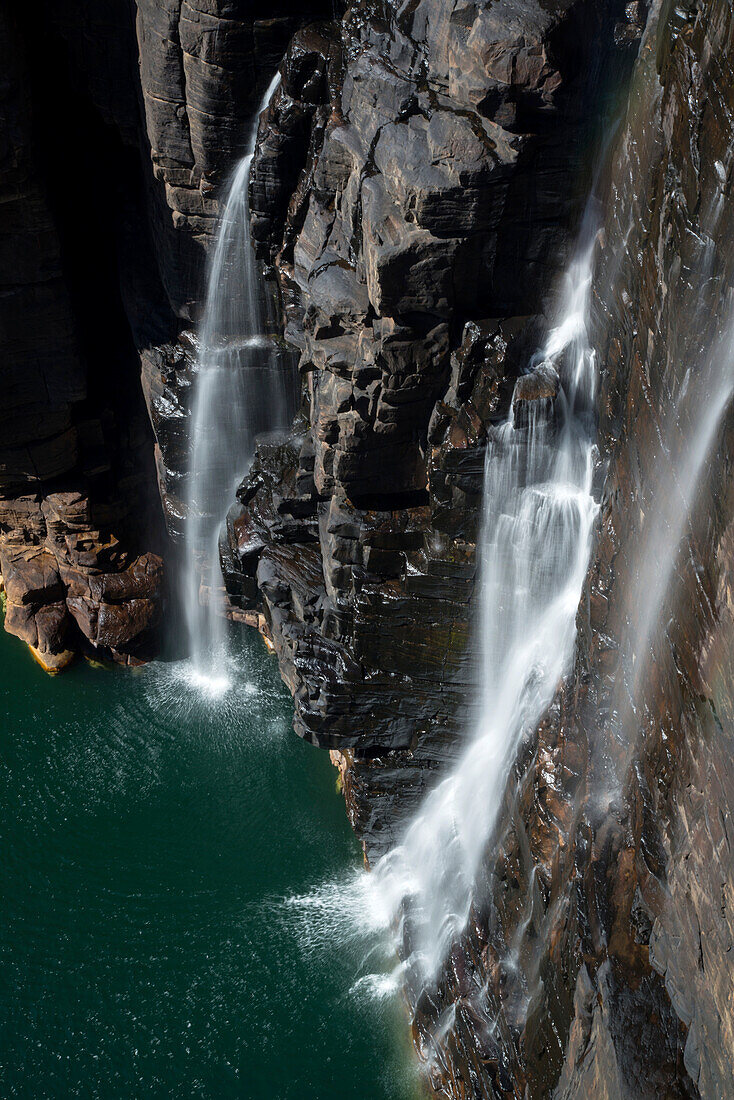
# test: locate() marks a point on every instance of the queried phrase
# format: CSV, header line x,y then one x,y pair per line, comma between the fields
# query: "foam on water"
x,y
210,685
217,701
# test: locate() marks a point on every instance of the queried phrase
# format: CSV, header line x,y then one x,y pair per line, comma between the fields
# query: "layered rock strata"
x,y
417,185
597,958
106,220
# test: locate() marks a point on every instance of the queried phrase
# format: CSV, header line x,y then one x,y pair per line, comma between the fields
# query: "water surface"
x,y
147,839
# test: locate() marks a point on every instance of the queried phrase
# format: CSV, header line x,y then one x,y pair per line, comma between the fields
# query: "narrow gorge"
x,y
387,346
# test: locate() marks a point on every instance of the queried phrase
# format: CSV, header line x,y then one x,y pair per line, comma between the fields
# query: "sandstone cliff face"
x,y
109,205
601,936
417,180
595,962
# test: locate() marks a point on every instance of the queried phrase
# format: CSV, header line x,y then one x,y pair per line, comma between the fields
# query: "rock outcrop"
x,y
419,174
417,185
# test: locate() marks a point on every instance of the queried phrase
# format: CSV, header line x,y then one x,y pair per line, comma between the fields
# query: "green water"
x,y
147,842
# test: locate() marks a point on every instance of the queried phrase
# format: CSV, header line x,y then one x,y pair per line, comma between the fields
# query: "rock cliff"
x,y
415,257
418,183
109,204
604,932
653,687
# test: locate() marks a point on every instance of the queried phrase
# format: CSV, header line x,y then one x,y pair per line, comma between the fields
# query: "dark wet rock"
x,y
104,232
540,384
167,374
671,885
607,884
203,70
535,394
380,214
414,228
587,931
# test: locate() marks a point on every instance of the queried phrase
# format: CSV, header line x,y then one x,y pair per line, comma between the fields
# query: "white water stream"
x,y
241,389
690,423
538,517
534,553
535,545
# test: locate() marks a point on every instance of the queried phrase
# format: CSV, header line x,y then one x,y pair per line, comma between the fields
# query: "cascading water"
x,y
242,388
687,433
703,400
538,516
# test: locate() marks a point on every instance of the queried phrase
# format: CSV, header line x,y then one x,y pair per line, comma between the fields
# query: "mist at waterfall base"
x,y
534,550
244,386
147,840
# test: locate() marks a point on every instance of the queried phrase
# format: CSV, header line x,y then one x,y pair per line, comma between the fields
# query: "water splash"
x,y
244,386
217,701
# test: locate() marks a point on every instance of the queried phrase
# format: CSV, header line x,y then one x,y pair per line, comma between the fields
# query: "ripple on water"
x,y
349,913
145,827
220,701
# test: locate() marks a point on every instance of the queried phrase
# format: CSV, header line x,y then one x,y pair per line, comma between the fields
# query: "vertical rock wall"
x,y
76,493
418,183
595,961
602,933
664,297
405,157
120,124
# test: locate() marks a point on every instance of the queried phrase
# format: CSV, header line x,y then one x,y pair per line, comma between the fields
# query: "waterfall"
x,y
534,552
687,432
241,388
700,405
